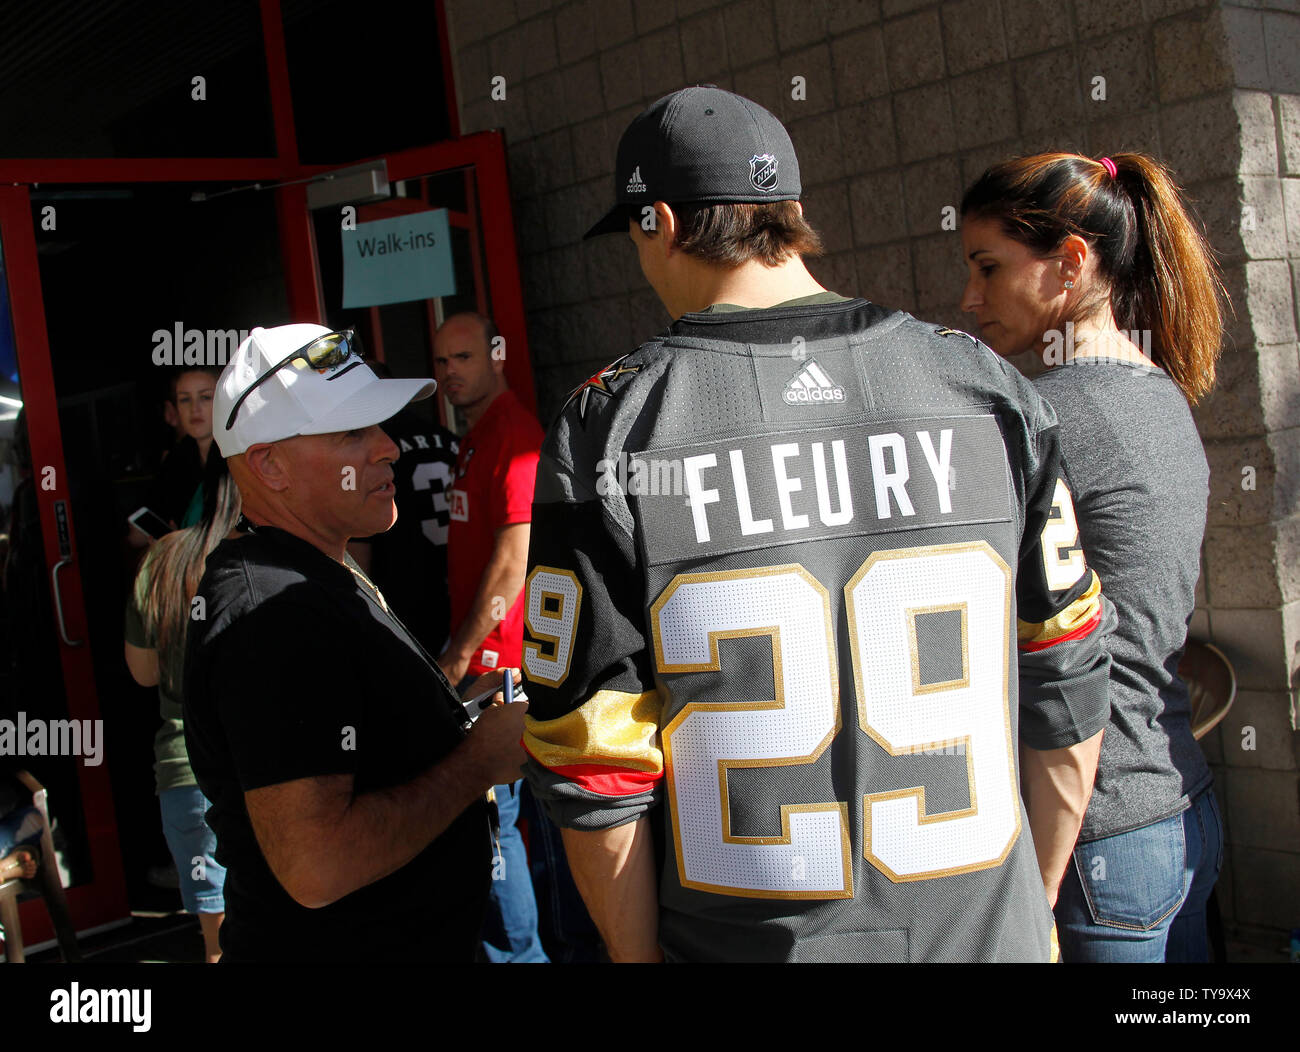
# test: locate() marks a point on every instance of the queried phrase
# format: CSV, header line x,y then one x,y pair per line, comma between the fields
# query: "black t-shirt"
x,y
296,671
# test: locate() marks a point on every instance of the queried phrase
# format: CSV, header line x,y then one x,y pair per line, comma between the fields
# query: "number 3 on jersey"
x,y
811,858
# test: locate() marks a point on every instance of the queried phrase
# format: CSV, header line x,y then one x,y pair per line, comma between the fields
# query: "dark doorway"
x,y
137,281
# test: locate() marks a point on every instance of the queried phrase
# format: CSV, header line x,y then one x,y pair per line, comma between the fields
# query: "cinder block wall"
x,y
1242,140
904,103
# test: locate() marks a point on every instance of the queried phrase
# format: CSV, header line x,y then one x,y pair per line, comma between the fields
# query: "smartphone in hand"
x,y
149,523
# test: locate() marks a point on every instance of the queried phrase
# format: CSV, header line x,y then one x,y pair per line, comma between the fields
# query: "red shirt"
x,y
495,472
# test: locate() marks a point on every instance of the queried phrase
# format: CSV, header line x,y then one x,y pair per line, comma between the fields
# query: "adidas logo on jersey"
x,y
811,384
635,185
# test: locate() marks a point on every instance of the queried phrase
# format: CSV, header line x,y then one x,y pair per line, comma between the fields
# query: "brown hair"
x,y
727,235
1156,267
174,377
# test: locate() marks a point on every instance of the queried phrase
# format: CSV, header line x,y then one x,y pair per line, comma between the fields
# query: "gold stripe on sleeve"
x,y
1071,619
611,727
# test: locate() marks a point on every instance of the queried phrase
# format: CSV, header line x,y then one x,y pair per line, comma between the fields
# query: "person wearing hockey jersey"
x,y
787,559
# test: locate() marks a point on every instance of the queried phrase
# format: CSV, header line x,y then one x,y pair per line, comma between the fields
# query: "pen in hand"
x,y
508,692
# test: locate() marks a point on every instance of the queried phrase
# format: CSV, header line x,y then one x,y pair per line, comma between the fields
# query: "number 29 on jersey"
x,y
811,858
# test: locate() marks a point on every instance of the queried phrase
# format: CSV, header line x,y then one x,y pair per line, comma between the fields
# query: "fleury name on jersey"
x,y
808,469
795,486
888,480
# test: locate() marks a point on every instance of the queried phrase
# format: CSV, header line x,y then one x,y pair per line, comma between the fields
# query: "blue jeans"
x,y
509,930
193,845
1140,896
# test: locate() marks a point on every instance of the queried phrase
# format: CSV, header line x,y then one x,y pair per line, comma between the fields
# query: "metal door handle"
x,y
58,601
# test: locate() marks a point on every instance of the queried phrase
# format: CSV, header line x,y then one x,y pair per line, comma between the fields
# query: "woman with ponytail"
x,y
158,615
1097,266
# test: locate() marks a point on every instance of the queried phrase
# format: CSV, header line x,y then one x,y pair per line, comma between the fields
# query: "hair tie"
x,y
1109,165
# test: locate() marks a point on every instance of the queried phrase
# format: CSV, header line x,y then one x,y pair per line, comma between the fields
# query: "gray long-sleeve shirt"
x,y
1140,484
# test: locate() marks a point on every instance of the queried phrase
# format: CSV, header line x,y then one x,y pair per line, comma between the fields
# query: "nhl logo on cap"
x,y
690,147
762,171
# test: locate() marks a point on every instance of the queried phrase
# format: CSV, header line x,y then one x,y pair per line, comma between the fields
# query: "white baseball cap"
x,y
298,399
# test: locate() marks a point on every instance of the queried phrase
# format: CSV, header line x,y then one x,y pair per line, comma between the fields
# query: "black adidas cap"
x,y
700,145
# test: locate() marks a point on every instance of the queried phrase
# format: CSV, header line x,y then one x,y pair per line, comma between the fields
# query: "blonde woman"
x,y
157,618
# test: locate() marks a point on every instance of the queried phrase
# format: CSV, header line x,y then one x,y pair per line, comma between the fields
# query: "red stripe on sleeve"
x,y
609,781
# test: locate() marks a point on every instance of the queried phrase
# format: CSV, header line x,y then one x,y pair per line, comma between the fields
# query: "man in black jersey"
x,y
408,563
786,560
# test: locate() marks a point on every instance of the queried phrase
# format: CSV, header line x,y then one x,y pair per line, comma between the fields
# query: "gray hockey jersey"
x,y
801,581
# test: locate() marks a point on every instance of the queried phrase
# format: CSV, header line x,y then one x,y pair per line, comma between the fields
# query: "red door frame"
x,y
482,154
103,900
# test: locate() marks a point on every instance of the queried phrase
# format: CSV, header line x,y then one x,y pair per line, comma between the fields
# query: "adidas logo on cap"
x,y
811,384
635,185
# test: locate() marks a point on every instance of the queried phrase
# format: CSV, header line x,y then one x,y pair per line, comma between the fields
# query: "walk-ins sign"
x,y
397,260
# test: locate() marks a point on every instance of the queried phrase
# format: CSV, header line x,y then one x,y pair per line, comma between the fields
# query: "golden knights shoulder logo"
x,y
599,383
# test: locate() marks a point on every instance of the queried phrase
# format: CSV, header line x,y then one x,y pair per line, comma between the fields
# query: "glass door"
x,y
145,286
50,723
441,242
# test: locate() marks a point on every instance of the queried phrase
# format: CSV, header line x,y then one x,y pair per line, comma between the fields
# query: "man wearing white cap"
x,y
347,791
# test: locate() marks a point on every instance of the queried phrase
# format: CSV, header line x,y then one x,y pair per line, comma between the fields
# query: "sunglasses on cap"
x,y
324,352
